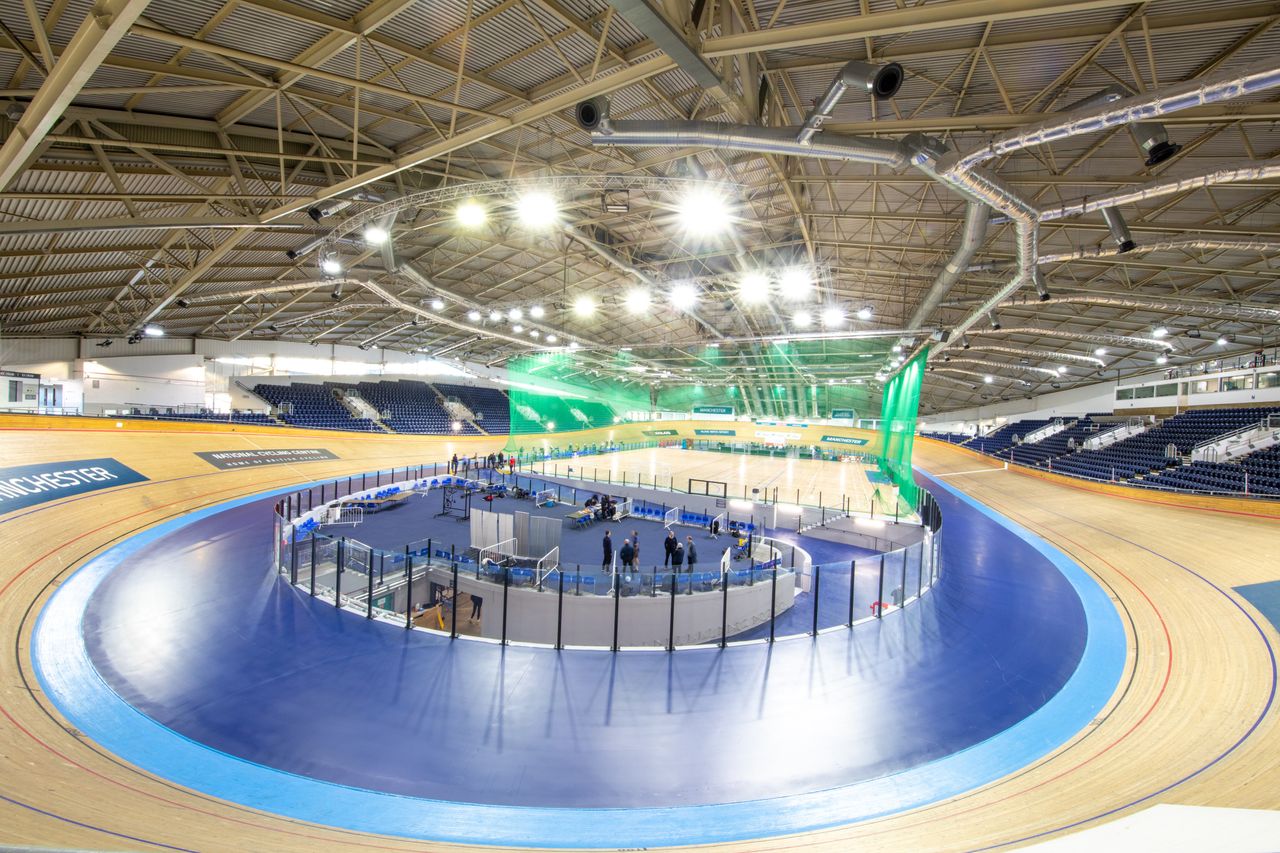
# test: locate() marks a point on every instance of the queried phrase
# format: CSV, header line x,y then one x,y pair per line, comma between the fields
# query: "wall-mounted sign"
x,y
715,432
773,435
25,485
713,410
659,432
846,414
840,439
228,459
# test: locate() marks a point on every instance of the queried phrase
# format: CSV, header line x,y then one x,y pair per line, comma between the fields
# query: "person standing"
x,y
512,465
608,551
627,555
453,465
690,553
669,547
635,543
677,556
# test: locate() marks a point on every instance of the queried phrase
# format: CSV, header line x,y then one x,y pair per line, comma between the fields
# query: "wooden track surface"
x,y
1186,726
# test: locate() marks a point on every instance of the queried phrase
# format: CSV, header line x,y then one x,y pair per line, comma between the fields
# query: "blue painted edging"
x,y
67,676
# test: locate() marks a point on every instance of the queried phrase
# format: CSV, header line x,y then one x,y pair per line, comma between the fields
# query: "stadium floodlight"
x,y
897,347
473,315
1162,359
584,306
151,330
551,426
457,426
1159,332
988,379
517,328
537,209
754,288
1062,369
375,236
515,314
574,344
796,284
533,333
551,339
495,316
1100,351
637,300
703,211
864,313
684,296
537,312
1222,341
802,319
832,317
330,266
437,304
471,214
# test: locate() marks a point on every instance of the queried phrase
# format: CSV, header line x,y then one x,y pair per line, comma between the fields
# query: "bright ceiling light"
x,y
515,314
988,379
754,288
897,347
1061,370
704,211
517,328
832,317
864,313
574,344
1159,332
437,304
471,214
1222,342
584,306
796,284
1162,359
375,236
802,319
473,316
637,300
537,209
1100,351
533,333
684,296
551,339
330,266
151,330
495,316
537,312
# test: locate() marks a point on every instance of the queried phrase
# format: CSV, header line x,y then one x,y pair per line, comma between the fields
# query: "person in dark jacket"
x,y
453,466
690,553
635,543
627,554
668,547
608,551
677,556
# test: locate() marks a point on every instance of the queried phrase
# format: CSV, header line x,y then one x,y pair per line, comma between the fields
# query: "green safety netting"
x,y
555,392
898,411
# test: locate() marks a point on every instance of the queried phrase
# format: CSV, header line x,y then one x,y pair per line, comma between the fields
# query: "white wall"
x,y
160,380
1099,397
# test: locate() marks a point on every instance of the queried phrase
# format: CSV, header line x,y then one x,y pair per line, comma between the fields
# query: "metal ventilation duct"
x,y
1243,313
1157,189
1126,341
762,140
183,302
879,81
1265,247
1043,355
1119,230
972,236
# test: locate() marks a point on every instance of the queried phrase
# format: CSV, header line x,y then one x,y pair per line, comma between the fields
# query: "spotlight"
x,y
1162,359
897,347
832,317
1222,341
330,266
470,214
495,316
537,209
457,426
637,300
437,304
375,236
1100,351
551,426
551,339
684,296
1154,141
753,288
517,328
988,379
1061,370
515,314
703,211
864,313
802,319
574,344
537,312
584,306
1159,332
1037,278
533,333
151,330
473,316
796,284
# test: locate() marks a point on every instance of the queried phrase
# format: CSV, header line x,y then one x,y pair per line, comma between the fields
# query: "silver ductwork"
x,y
1087,337
1164,187
1243,313
1263,247
399,327
225,295
1043,355
761,140
323,312
1119,230
1213,88
1042,289
996,365
993,319
879,81
972,237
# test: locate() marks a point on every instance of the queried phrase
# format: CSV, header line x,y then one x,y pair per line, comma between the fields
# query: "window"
x,y
1168,390
1237,383
1269,380
15,391
1204,386
1143,392
1124,393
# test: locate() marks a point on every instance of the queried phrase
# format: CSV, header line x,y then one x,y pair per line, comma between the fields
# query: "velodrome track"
x,y
1192,722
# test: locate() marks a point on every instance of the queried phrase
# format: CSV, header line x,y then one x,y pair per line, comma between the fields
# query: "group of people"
x,y
494,462
604,508
680,556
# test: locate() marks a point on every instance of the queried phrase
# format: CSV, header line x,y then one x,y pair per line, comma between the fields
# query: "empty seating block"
x,y
411,407
313,406
490,405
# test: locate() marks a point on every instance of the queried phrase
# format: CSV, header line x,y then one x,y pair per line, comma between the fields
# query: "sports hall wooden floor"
x,y
1187,725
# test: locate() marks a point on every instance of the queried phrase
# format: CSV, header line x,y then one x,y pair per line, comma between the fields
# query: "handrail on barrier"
x,y
492,553
547,564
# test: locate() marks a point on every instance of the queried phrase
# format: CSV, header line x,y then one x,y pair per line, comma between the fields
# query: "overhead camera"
x,y
592,113
104,343
182,303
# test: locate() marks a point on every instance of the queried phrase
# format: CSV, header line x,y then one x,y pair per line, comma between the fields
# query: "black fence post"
x,y
337,592
368,602
313,564
506,585
853,566
617,606
671,624
879,605
560,611
817,585
903,598
453,621
293,556
724,608
408,588
773,603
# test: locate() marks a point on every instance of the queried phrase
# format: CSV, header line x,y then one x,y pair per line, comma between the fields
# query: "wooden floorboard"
x,y
1186,725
